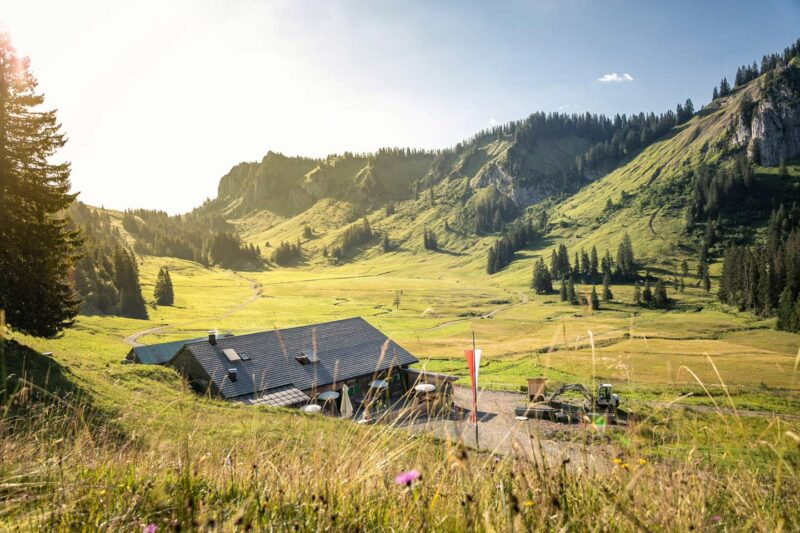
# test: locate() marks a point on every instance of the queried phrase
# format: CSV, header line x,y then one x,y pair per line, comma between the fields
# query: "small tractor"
x,y
550,408
606,399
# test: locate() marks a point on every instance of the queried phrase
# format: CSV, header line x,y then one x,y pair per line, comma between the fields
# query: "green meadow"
x,y
151,451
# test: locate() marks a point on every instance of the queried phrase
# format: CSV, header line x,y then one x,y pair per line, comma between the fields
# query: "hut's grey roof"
x,y
285,396
344,348
161,353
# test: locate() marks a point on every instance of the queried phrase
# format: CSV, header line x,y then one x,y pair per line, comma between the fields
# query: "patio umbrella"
x,y
328,395
347,406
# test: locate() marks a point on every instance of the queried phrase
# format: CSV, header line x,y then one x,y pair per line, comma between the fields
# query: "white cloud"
x,y
615,78
493,122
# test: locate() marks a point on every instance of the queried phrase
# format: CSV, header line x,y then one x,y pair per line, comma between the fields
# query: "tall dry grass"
x,y
62,470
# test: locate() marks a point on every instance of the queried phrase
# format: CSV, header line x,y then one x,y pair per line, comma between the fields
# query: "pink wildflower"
x,y
406,478
150,528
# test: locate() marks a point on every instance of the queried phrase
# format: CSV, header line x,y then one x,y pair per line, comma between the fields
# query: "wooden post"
x,y
475,392
3,372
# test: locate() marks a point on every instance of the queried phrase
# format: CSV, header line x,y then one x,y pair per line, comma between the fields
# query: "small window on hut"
x,y
231,354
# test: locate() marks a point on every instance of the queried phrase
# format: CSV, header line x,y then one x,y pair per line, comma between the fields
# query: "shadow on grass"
x,y
44,374
35,383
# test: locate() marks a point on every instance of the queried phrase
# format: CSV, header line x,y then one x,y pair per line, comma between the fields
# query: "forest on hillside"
x,y
205,239
106,275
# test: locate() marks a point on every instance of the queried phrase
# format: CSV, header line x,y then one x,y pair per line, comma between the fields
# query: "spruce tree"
x,y
660,298
594,300
706,281
593,264
563,295
724,87
541,283
577,265
163,292
586,268
169,293
637,295
625,259
684,268
572,296
647,294
607,294
786,311
131,303
491,259
37,249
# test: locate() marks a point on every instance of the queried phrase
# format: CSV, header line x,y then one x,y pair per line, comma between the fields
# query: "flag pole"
x,y
475,392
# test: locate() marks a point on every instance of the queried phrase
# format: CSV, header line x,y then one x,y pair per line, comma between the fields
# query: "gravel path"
x,y
499,431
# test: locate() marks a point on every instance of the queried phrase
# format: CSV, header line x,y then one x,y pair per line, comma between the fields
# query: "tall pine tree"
x,y
37,249
131,303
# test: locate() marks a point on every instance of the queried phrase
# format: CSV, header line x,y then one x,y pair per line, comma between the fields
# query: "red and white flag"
x,y
473,358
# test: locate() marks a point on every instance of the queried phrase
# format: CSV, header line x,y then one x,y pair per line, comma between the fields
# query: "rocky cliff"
x,y
769,126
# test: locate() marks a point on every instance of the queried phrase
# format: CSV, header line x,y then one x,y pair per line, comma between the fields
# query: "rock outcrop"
x,y
770,127
522,194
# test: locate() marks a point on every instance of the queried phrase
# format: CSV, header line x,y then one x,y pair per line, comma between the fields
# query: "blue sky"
x,y
168,95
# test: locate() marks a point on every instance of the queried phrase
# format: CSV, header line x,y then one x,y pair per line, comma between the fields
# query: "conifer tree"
x,y
131,303
607,294
637,295
660,298
586,268
563,295
572,296
787,315
491,261
163,292
593,264
36,248
647,294
594,300
706,281
625,260
542,282
684,268
724,87
702,267
564,268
